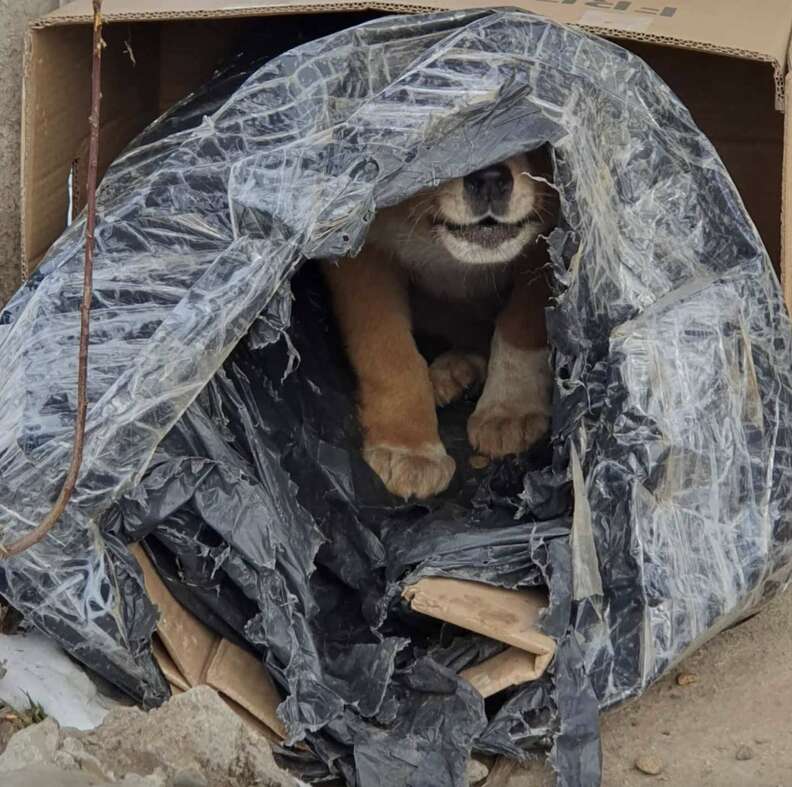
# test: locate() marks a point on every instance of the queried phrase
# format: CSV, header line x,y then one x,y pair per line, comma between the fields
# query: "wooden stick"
x,y
35,535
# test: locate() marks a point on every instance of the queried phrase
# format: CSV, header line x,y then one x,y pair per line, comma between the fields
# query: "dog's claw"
x,y
406,472
496,431
453,372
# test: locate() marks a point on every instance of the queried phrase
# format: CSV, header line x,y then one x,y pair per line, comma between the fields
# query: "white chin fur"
x,y
473,254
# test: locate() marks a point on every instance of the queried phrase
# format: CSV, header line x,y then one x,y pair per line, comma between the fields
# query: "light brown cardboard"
x,y
255,723
725,26
510,668
786,213
502,773
189,654
55,116
509,616
168,665
189,642
726,60
232,671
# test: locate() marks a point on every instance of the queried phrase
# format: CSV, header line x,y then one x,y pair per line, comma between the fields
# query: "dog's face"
x,y
487,217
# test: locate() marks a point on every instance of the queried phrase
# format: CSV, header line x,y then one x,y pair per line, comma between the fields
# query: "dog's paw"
x,y
498,430
453,372
408,472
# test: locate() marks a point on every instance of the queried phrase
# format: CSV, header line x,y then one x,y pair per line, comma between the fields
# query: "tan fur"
x,y
420,272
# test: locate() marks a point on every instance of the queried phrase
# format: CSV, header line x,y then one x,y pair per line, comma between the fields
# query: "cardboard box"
x,y
727,60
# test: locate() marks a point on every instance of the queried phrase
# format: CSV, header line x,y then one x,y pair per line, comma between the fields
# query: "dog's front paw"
x,y
453,372
499,430
409,472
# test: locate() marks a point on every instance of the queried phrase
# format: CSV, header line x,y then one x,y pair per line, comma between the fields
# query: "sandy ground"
x,y
732,727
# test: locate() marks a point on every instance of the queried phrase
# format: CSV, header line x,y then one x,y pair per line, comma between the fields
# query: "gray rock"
x,y
650,764
71,756
195,731
31,746
744,753
51,776
188,779
194,740
475,772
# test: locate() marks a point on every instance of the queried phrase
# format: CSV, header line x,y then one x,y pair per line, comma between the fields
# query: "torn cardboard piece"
x,y
509,616
510,668
231,670
190,654
188,642
168,665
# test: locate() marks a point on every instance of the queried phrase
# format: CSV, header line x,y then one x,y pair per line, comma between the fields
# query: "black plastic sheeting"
x,y
222,430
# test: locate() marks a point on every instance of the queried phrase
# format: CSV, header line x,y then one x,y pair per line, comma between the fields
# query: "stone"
x,y
72,756
744,753
194,740
32,745
476,772
188,778
650,764
686,679
193,732
49,775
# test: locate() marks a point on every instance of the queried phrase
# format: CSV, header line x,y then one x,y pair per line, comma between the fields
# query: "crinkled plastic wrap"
x,y
221,429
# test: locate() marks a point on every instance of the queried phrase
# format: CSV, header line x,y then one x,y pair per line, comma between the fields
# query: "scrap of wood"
x,y
510,668
509,616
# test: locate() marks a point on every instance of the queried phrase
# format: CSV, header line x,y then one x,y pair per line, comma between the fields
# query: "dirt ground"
x,y
732,727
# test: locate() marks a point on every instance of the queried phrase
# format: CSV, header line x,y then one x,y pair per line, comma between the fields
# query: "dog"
x,y
461,262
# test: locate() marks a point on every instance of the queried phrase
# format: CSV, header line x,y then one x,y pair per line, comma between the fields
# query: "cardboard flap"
x,y
241,677
725,26
508,616
81,11
190,654
786,204
189,642
510,668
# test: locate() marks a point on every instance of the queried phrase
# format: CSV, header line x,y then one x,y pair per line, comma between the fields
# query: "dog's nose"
x,y
489,185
